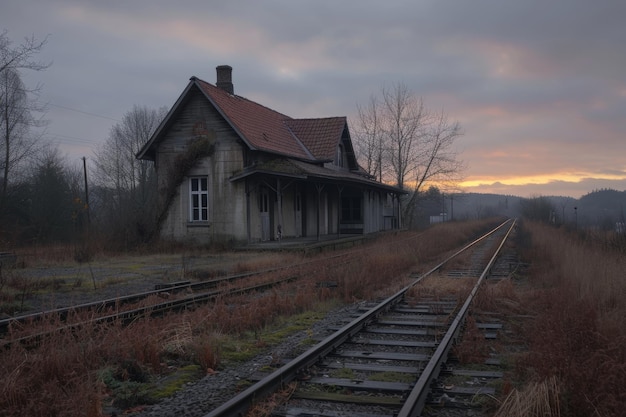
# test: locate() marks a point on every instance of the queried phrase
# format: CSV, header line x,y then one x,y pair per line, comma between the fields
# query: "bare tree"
x,y
416,145
437,160
116,164
16,108
404,118
21,56
18,142
388,134
117,170
370,139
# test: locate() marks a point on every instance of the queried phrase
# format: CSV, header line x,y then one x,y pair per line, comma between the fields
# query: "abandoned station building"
x,y
232,170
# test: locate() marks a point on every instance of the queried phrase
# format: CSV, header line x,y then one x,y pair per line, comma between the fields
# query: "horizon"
x,y
534,196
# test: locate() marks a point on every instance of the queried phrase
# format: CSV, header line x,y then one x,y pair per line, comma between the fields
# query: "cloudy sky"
x,y
539,87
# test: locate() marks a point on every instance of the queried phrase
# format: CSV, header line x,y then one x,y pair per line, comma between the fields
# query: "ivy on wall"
x,y
198,148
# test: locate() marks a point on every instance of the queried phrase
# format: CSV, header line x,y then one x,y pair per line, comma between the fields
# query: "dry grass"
x,y
473,347
66,375
265,408
536,400
439,286
501,296
577,292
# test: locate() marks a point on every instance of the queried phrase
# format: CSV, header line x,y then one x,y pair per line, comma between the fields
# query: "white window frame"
x,y
198,207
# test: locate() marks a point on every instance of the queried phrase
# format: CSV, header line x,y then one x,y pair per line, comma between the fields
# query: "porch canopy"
x,y
279,173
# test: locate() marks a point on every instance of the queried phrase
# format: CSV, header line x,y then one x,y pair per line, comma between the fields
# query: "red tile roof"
x,y
268,130
320,136
262,128
299,144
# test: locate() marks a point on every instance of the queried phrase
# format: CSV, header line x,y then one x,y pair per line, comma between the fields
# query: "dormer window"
x,y
339,159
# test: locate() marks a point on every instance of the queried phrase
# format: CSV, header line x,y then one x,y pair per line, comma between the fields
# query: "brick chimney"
x,y
225,78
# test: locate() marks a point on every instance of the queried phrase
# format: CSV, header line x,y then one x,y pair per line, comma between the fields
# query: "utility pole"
x,y
451,207
86,191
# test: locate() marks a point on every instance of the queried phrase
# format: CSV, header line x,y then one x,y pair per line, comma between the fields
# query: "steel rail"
x,y
132,314
127,316
102,305
239,404
416,400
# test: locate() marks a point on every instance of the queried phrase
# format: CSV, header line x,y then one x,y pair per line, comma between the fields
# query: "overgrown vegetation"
x,y
197,148
569,356
82,373
578,335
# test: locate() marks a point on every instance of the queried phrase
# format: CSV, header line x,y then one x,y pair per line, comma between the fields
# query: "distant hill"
x,y
475,206
602,208
598,209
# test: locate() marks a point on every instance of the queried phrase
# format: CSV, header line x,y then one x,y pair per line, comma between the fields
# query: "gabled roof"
x,y
262,128
320,136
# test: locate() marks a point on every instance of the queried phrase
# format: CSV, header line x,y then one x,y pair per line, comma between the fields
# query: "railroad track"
x,y
384,362
173,297
126,317
125,307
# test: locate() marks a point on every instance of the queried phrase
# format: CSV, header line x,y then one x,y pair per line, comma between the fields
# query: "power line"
x,y
38,95
70,139
84,112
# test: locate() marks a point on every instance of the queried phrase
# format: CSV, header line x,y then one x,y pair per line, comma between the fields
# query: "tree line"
x,y
43,195
45,198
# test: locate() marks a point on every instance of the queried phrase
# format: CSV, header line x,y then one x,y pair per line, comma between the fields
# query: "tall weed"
x,y
577,336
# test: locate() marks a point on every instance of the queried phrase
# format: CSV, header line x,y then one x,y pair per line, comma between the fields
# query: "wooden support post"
x,y
279,195
319,188
248,232
339,209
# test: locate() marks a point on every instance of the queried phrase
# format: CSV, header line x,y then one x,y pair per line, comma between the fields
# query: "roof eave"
x,y
297,158
365,182
247,173
312,176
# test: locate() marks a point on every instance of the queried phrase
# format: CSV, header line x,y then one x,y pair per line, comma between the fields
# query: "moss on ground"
x,y
393,377
250,344
169,385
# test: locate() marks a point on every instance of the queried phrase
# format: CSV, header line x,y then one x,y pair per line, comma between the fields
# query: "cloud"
x,y
566,184
538,87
